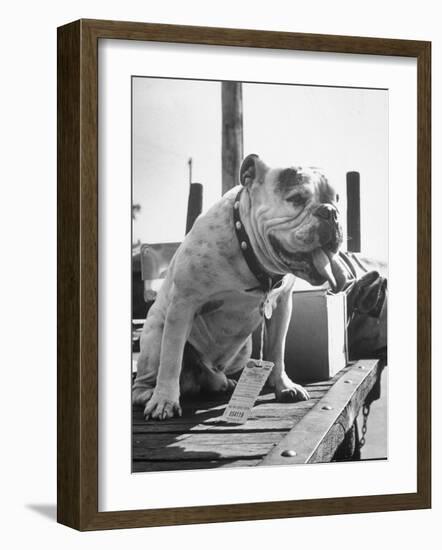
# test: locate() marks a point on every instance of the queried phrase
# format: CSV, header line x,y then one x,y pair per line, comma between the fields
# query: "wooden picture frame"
x,y
77,459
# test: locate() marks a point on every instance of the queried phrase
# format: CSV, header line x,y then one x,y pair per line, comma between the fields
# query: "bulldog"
x,y
242,255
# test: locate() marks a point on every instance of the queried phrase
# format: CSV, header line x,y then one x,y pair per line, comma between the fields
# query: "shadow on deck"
x,y
199,440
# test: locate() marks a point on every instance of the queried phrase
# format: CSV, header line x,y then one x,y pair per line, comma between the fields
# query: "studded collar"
x,y
266,282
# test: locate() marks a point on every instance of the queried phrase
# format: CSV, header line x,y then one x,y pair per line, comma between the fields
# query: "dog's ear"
x,y
252,169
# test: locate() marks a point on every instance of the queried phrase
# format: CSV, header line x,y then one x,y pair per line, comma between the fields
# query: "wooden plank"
x,y
319,386
283,410
265,417
212,440
252,425
318,434
212,413
193,451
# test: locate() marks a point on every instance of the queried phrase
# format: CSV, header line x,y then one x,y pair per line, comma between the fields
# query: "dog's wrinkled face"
x,y
294,220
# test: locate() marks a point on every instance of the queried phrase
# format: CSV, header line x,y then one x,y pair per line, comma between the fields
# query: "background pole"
x,y
232,133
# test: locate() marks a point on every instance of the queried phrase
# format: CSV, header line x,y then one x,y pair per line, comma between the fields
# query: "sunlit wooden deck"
x,y
319,430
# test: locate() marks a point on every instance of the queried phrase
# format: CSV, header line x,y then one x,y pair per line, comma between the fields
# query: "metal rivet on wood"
x,y
288,453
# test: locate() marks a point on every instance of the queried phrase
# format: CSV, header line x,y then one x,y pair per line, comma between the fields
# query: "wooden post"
x,y
353,212
232,133
194,205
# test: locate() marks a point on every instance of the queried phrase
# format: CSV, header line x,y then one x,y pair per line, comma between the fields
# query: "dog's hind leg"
x,y
197,376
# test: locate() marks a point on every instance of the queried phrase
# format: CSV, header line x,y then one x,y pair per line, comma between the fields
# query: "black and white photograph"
x,y
253,256
259,274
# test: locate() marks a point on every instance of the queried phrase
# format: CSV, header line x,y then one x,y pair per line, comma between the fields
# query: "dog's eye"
x,y
297,200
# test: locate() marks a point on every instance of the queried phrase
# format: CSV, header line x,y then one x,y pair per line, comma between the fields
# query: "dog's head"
x,y
294,221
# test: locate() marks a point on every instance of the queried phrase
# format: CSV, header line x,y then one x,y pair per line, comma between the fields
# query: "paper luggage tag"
x,y
251,382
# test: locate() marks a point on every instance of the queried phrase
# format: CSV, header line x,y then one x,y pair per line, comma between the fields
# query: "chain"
x,y
261,347
263,322
365,412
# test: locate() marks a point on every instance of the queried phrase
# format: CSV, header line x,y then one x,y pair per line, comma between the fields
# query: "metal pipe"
x,y
353,212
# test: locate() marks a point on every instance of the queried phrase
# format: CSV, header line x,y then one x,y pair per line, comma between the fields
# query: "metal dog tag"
x,y
267,307
251,382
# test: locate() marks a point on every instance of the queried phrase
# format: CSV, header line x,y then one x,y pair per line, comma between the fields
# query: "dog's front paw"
x,y
161,407
288,391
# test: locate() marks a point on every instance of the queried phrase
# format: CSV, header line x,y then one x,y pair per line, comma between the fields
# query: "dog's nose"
x,y
326,212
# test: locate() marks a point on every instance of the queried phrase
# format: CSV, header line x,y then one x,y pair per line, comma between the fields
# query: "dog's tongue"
x,y
323,267
329,268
